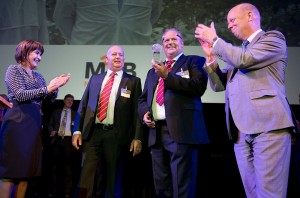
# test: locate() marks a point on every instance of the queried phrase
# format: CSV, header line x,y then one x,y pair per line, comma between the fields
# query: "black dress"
x,y
21,131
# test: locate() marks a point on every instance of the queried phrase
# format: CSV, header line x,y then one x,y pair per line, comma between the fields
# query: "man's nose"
x,y
229,26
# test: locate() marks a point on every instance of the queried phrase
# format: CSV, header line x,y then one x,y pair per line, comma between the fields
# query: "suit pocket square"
x,y
183,74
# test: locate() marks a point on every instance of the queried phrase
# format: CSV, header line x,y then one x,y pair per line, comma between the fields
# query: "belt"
x,y
161,126
105,127
160,122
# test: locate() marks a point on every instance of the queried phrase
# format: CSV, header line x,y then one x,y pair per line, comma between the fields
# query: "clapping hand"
x,y
64,79
205,33
58,82
207,49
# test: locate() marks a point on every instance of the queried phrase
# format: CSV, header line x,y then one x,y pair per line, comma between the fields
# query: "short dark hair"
x,y
69,96
24,48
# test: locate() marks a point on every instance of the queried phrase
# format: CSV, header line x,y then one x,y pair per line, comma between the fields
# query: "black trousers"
x,y
65,161
103,160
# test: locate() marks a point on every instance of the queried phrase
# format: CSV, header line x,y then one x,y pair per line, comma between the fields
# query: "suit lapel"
x,y
100,81
155,77
152,81
122,84
255,39
59,114
95,87
72,116
178,63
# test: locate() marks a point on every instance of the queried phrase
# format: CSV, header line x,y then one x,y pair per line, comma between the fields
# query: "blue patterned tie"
x,y
245,43
62,128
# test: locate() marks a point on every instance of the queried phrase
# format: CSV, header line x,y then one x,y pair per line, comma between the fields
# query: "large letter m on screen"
x,y
90,70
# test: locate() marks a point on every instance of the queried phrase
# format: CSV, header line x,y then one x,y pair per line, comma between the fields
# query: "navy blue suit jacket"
x,y
183,106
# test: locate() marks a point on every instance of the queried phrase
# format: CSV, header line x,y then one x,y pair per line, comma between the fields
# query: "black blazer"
x,y
183,104
126,121
54,122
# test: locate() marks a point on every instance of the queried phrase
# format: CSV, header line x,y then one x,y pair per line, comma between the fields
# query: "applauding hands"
x,y
58,82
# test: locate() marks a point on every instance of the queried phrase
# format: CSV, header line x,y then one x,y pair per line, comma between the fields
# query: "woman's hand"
x,y
58,82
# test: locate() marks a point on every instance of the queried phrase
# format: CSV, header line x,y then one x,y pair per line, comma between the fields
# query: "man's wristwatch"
x,y
214,40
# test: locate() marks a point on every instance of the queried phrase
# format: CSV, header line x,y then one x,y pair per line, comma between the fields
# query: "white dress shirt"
x,y
113,95
159,112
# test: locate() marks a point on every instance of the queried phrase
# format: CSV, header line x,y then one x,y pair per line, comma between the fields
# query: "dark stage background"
x,y
218,175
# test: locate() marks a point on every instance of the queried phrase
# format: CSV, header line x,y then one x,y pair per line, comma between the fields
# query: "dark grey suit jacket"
x,y
126,121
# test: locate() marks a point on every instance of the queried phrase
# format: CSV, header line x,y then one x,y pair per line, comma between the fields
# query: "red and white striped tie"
x,y
104,98
160,87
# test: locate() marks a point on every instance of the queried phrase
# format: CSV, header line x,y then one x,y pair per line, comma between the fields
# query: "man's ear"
x,y
250,16
104,59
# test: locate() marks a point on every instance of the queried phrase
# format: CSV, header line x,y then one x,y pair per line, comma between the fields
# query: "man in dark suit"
x,y
176,123
64,157
258,116
106,137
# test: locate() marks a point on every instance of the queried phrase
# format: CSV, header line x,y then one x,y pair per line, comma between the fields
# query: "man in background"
x,y
123,22
21,20
64,157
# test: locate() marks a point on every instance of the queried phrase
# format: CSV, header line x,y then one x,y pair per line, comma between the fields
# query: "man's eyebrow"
x,y
176,35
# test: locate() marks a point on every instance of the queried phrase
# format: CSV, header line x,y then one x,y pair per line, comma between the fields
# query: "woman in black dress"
x,y
20,134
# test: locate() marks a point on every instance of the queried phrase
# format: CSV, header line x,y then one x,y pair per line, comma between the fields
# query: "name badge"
x,y
183,74
125,93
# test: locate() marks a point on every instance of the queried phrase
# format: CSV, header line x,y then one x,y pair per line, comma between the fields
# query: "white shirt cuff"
x,y
77,132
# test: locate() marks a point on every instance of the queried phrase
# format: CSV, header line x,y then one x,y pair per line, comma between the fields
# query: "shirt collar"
x,y
119,73
176,58
253,35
